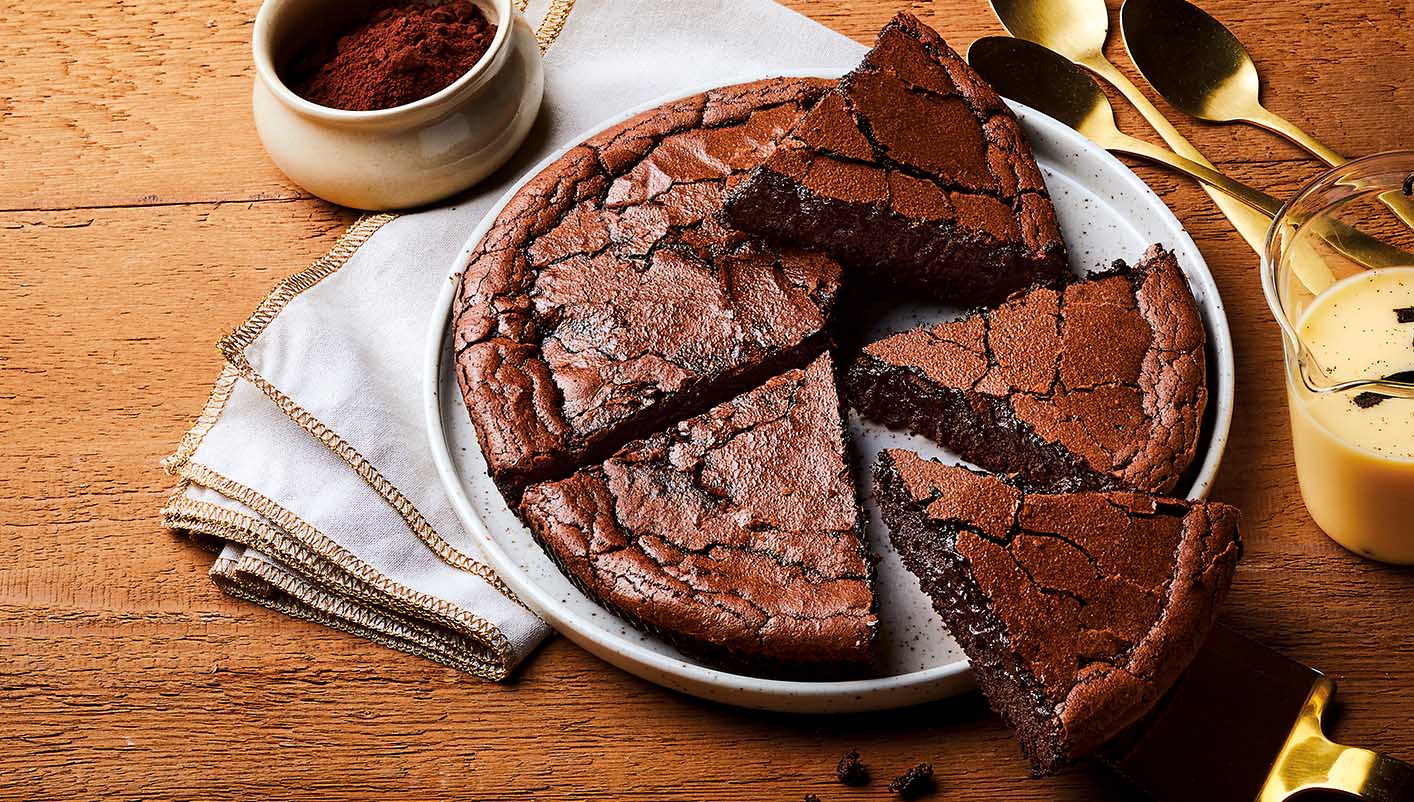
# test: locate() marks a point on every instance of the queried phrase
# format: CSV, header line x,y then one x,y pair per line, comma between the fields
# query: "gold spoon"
x,y
1197,65
1077,29
1048,82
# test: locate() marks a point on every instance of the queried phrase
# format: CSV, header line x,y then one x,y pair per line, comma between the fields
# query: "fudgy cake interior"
x,y
1099,384
735,534
1077,610
608,300
914,169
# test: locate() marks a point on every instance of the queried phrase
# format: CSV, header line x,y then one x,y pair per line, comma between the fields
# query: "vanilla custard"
x,y
1355,451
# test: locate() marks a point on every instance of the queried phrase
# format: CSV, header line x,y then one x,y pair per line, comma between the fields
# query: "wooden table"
x,y
133,183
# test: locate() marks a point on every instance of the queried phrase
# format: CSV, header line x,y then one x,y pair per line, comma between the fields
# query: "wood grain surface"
x,y
132,183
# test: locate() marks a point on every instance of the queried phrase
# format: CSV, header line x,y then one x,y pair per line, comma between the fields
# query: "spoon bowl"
x,y
1050,83
1200,67
1075,29
1046,81
1191,59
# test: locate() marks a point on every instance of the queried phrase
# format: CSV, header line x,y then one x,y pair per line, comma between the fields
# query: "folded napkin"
x,y
309,470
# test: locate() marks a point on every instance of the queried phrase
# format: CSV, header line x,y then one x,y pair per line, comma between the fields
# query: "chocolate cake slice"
x,y
1076,610
1100,384
607,300
914,169
735,535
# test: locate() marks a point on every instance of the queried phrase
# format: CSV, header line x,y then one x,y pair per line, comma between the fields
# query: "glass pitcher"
x,y
1338,273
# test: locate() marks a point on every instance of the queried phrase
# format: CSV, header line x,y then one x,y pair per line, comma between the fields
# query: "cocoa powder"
x,y
404,52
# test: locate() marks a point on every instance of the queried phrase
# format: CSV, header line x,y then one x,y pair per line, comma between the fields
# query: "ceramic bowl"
x,y
407,155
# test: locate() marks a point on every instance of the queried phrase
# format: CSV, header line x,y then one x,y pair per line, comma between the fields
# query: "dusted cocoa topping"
x,y
736,534
915,169
1076,610
607,300
1100,384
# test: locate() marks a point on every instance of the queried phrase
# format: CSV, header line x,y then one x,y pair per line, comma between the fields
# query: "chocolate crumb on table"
x,y
851,771
811,798
914,783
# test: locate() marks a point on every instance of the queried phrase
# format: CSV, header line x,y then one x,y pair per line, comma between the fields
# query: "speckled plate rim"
x,y
879,693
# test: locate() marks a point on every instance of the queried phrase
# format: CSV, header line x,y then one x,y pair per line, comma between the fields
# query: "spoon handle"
x,y
1255,199
1394,201
1251,224
1284,127
1313,272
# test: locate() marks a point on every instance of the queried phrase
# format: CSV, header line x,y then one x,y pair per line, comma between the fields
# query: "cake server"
x,y
1243,724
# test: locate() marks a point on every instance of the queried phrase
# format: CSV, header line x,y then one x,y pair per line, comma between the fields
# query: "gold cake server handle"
x,y
1309,761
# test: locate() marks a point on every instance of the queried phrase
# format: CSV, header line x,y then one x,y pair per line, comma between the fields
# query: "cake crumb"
x,y
811,798
914,783
851,771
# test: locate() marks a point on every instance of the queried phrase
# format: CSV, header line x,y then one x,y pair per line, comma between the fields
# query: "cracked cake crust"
x,y
735,534
1077,610
1100,384
915,169
607,300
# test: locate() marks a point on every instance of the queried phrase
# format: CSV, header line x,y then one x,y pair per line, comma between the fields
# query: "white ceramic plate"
x,y
1105,212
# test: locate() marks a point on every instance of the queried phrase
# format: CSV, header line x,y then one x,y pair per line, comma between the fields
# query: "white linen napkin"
x,y
309,470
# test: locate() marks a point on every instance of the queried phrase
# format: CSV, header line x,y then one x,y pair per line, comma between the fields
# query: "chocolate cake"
x,y
735,535
1100,384
607,300
914,169
1077,610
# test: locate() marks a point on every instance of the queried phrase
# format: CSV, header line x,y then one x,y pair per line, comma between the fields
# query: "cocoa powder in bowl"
x,y
400,53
